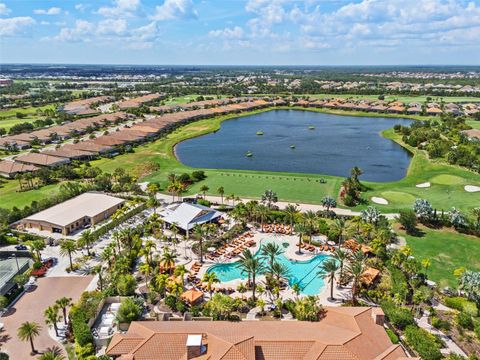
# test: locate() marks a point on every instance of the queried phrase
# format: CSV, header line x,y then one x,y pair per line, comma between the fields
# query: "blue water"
x,y
303,273
337,144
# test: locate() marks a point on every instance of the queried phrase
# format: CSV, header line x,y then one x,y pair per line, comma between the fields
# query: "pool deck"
x,y
290,253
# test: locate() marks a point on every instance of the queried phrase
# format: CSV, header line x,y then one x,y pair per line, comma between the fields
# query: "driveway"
x,y
30,308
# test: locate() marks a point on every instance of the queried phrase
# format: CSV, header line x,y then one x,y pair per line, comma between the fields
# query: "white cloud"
x,y
120,8
81,32
112,26
4,10
15,26
229,33
51,11
81,7
175,9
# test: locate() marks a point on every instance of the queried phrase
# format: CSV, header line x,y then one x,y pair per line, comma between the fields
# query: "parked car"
x,y
21,247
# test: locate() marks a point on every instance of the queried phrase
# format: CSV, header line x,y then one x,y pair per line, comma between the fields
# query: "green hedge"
x,y
400,317
424,343
393,337
462,304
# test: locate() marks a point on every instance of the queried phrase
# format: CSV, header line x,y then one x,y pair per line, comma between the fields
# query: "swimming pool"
x,y
304,273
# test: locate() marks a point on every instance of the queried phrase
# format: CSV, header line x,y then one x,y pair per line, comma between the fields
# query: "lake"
x,y
301,142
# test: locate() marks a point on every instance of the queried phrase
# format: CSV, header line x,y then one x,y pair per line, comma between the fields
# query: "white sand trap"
x,y
379,200
423,185
472,188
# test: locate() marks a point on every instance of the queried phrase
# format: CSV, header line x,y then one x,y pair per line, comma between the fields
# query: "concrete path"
x,y
451,346
281,204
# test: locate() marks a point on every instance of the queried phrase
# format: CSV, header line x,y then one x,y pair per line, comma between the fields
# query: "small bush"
x,y
400,317
441,324
393,337
465,321
129,311
424,343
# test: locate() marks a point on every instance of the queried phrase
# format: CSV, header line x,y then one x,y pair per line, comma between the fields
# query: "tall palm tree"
x,y
198,234
52,353
340,255
181,271
300,229
339,226
145,269
329,268
168,261
161,282
210,279
262,212
328,202
221,192
355,269
242,263
153,202
279,271
29,331
271,250
36,246
252,266
291,212
204,189
174,230
148,248
68,247
355,172
52,317
63,303
86,240
310,218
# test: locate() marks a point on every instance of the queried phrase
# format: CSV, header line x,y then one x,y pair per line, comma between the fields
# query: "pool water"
x,y
302,272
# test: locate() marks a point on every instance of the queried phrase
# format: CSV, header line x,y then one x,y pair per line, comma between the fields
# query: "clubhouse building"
x,y
86,209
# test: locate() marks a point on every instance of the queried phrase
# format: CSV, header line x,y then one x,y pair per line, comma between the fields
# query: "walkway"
x,y
451,347
281,204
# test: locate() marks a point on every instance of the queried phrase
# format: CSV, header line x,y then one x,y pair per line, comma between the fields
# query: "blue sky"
x,y
270,32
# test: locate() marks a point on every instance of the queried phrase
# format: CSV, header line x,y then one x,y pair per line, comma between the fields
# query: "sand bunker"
x,y
379,200
423,185
472,188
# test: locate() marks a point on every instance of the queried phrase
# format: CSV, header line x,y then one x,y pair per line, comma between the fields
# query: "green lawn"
x,y
10,195
474,124
187,98
447,251
8,117
402,98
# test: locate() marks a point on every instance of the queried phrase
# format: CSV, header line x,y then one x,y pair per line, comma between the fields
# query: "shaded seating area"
x,y
234,248
277,229
192,296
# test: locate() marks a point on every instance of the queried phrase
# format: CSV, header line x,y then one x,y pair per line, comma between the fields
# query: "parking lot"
x,y
30,307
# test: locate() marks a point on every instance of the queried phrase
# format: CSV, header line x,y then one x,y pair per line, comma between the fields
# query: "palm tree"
x,y
339,226
221,192
153,202
204,189
291,212
329,268
168,261
107,255
63,303
340,255
310,218
86,239
148,248
252,266
476,214
174,230
262,212
355,269
243,263
145,269
36,246
210,279
270,197
296,289
181,271
271,250
152,189
52,317
328,202
199,233
68,247
161,282
52,353
300,230
29,331
279,271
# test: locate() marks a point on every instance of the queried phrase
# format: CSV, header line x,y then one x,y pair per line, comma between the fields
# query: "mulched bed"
x,y
470,347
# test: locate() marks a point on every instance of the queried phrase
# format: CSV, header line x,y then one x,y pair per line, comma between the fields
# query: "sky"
x,y
235,32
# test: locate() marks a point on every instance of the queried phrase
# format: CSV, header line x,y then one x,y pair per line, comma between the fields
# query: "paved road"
x,y
30,308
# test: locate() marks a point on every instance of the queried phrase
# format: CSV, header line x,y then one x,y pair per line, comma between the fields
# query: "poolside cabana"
x,y
192,296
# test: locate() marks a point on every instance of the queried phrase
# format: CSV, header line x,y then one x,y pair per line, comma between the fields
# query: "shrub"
x,y
408,220
171,302
81,331
198,175
455,302
440,324
465,321
424,343
84,352
393,337
204,202
400,317
126,285
128,311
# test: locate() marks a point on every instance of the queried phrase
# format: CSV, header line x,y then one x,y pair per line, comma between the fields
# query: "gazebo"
x,y
192,296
